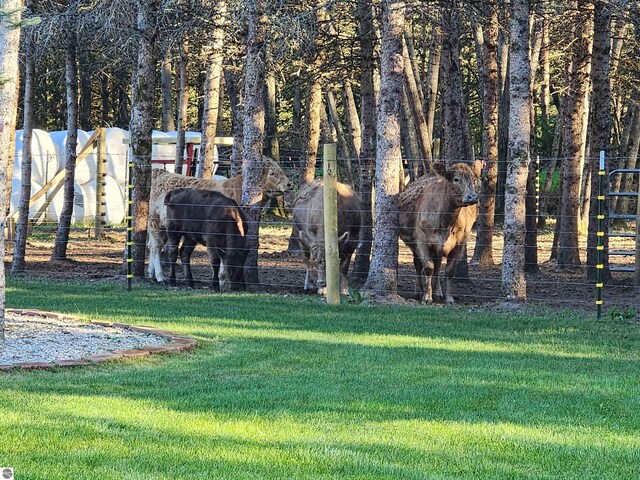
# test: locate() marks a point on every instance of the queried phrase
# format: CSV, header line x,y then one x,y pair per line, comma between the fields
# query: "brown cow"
x,y
308,218
211,219
436,215
274,183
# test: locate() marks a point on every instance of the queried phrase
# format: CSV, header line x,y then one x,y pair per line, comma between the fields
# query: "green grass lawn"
x,y
290,388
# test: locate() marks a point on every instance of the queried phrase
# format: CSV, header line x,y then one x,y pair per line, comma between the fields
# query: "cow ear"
x,y
344,237
440,168
477,167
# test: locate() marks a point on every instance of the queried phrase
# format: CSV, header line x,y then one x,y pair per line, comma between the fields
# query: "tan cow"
x,y
436,215
274,183
308,218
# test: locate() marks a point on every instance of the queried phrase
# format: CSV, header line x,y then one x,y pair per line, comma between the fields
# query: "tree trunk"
x,y
573,145
183,104
84,116
483,253
411,149
253,132
272,144
211,106
368,124
353,121
312,132
22,227
141,126
503,106
452,148
417,113
384,263
71,75
433,72
231,81
168,123
513,280
9,48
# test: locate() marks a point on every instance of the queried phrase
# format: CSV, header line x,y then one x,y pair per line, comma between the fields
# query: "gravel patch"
x,y
42,337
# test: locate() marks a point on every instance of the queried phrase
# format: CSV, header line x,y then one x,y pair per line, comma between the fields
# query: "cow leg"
x,y
172,252
188,246
345,261
214,261
435,279
419,288
156,241
450,272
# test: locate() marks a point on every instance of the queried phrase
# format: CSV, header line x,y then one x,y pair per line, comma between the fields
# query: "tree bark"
x,y
9,49
84,116
573,144
600,131
71,75
417,113
353,121
141,126
411,149
452,144
483,253
183,103
272,144
168,123
211,106
384,263
513,280
253,132
432,77
368,124
22,227
232,80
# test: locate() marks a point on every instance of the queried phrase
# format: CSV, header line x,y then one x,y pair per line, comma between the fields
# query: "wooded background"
x,y
505,81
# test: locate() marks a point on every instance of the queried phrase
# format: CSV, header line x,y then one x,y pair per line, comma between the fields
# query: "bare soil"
x,y
282,271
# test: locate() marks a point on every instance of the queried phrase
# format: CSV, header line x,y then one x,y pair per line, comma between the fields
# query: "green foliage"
x,y
292,388
619,314
355,297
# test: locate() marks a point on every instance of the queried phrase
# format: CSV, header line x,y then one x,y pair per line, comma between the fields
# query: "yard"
x,y
286,387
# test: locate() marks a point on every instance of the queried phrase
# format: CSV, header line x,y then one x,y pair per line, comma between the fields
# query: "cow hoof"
x,y
322,291
450,302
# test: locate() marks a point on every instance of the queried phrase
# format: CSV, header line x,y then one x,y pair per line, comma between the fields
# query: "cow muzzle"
x,y
470,199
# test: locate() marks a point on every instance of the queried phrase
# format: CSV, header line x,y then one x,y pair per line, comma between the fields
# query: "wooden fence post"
x,y
332,260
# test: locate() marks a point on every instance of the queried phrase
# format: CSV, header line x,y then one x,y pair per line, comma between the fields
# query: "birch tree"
x,y
384,262
10,18
513,279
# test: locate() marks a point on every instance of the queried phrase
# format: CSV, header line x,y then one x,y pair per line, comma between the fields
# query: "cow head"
x,y
317,257
463,178
275,181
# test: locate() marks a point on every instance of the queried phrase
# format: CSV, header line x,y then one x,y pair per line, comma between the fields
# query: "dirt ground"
x,y
282,271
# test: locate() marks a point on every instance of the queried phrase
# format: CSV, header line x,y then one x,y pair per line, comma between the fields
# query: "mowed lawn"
x,y
288,388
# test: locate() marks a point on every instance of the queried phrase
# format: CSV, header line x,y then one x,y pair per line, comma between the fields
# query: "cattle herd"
x,y
437,212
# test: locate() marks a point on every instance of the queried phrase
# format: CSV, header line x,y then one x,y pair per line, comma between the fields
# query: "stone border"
x,y
176,343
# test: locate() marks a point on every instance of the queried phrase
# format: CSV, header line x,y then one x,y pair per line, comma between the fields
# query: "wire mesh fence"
x,y
282,267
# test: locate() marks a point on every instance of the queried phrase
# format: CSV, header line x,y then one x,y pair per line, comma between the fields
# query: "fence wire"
x,y
282,266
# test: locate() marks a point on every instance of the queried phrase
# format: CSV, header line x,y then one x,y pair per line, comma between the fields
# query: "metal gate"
x,y
626,217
